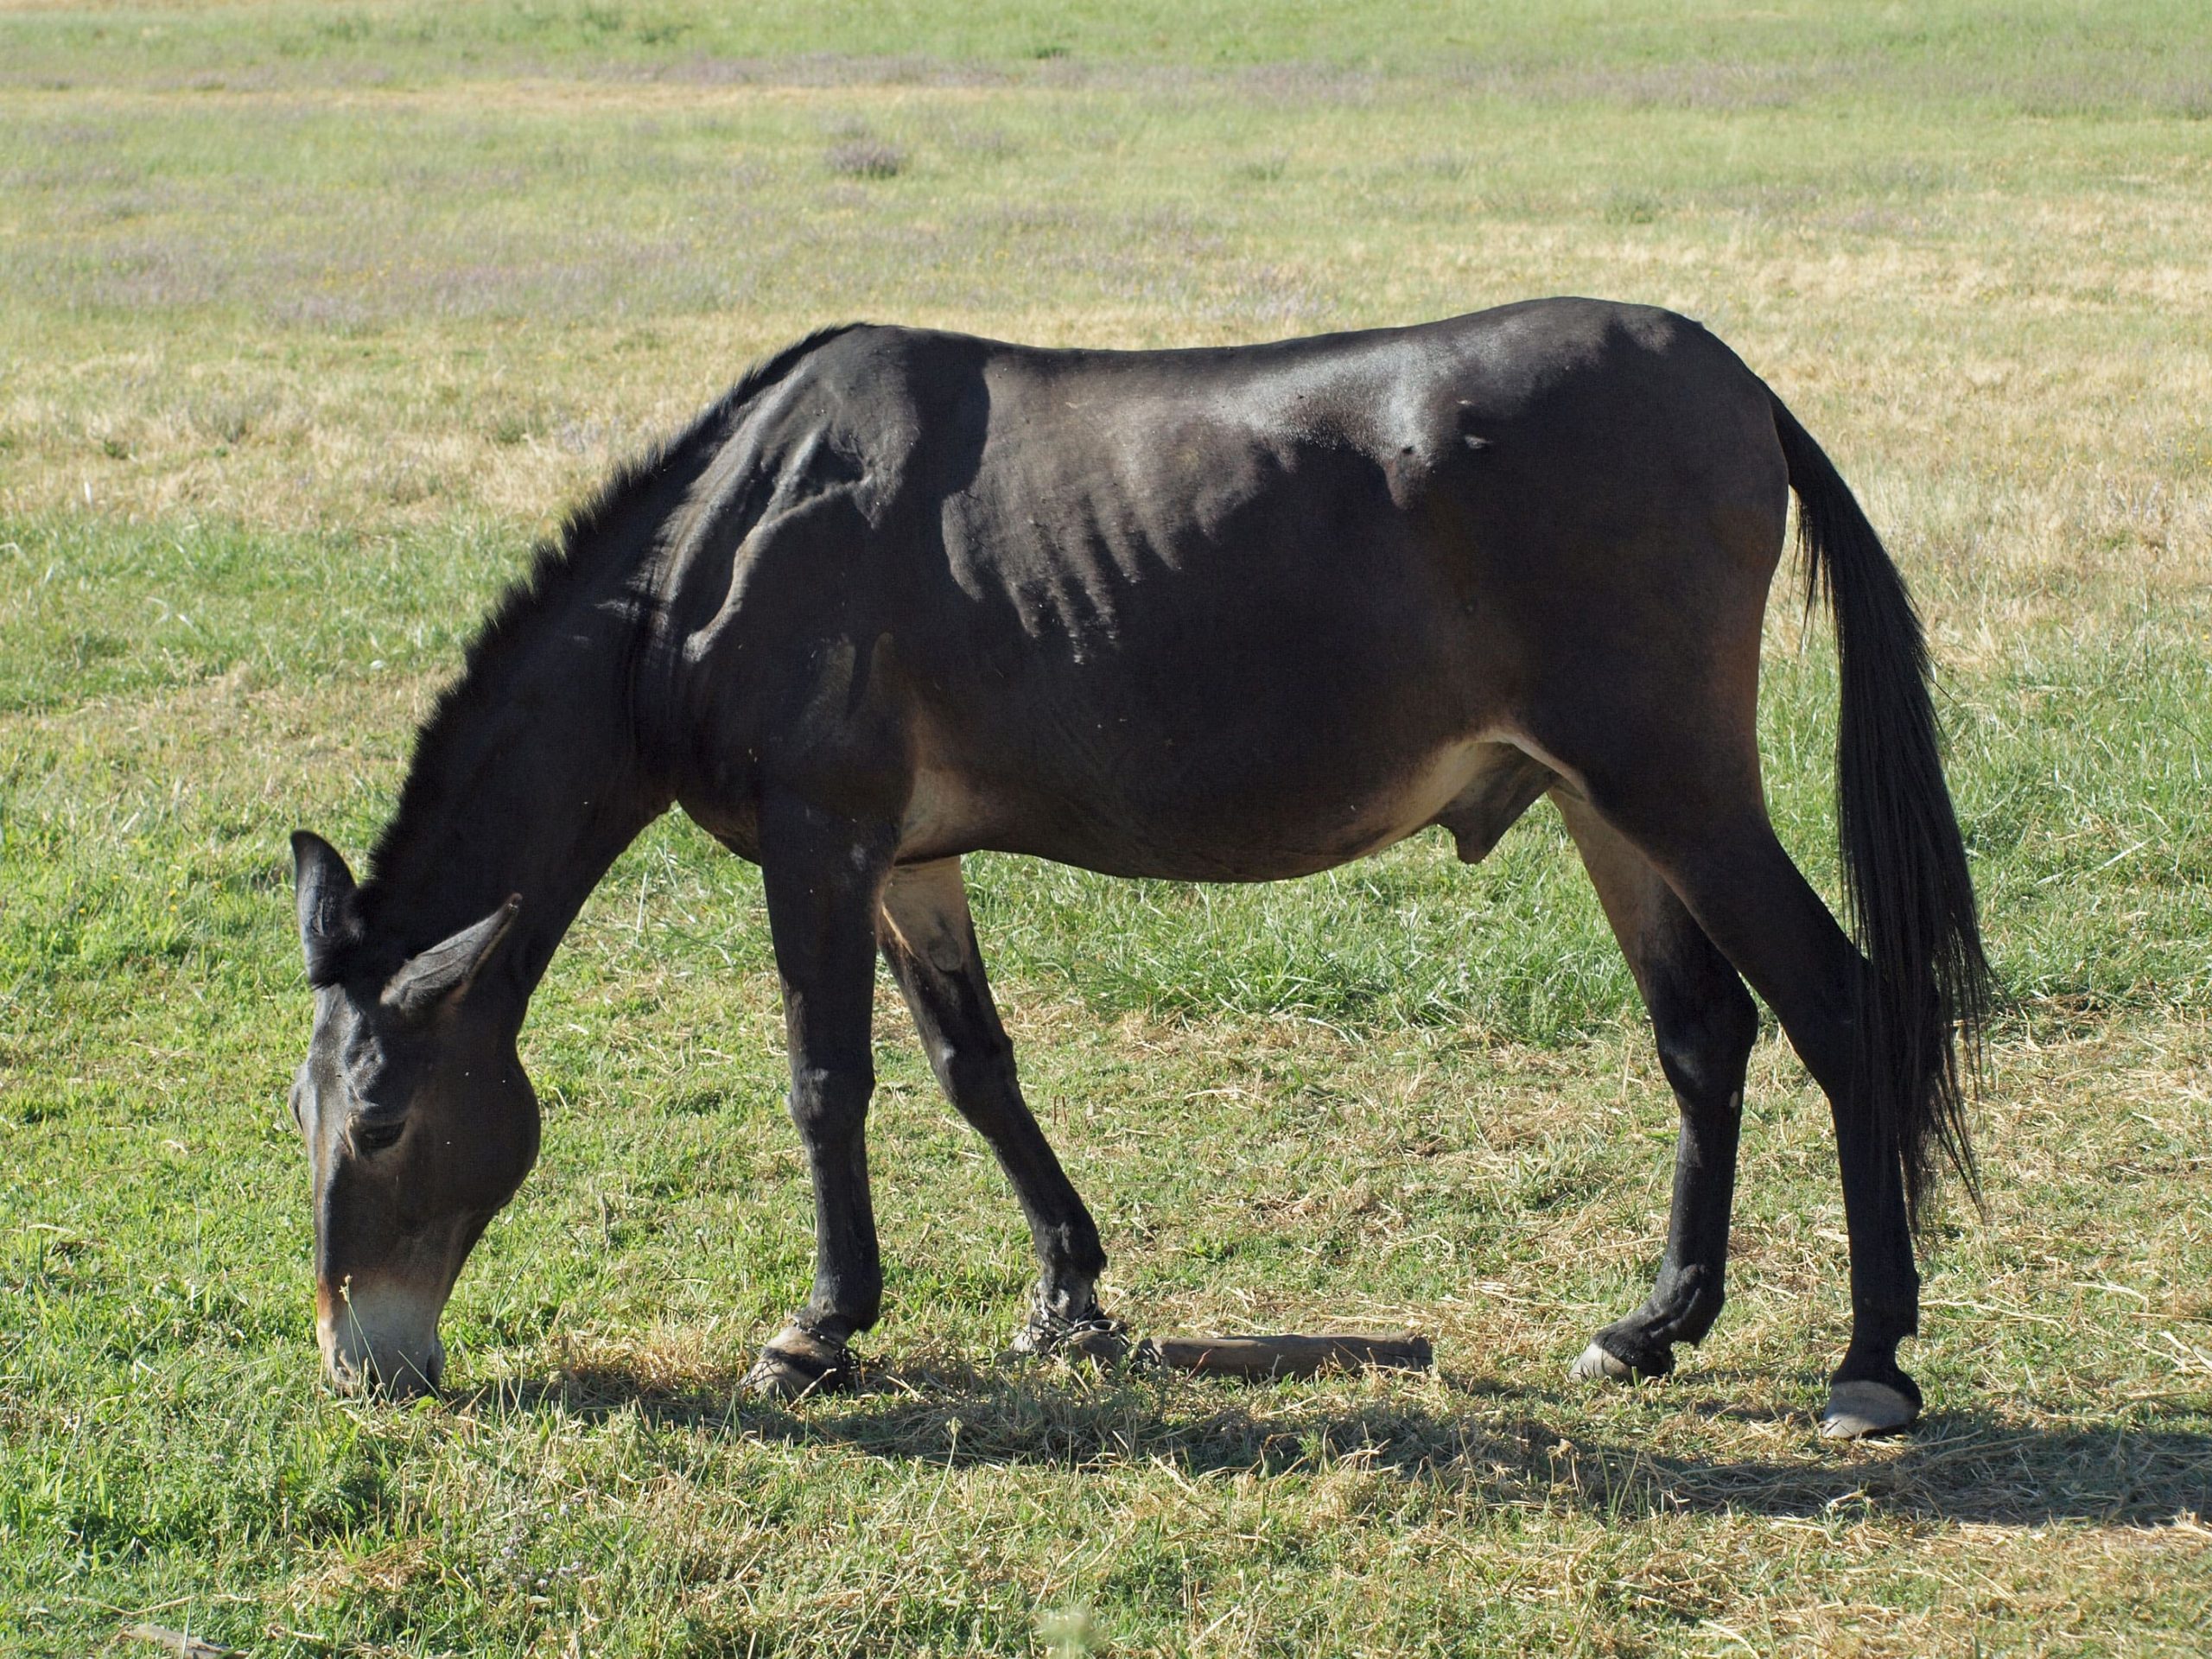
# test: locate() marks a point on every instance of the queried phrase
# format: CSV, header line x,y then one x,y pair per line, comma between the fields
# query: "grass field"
x,y
312,318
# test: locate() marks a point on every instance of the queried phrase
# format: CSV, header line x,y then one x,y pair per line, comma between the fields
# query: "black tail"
x,y
1906,886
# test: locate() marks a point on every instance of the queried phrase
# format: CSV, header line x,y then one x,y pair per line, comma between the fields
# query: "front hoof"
x,y
1859,1409
1599,1363
797,1363
1092,1335
1100,1341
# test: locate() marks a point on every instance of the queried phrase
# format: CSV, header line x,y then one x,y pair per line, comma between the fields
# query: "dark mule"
x,y
1222,615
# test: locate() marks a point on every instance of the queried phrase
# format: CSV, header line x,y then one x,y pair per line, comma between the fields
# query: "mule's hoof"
x,y
1101,1343
1858,1409
1600,1364
795,1364
1093,1336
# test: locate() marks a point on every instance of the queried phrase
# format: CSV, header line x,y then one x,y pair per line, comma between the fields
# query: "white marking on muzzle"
x,y
380,1335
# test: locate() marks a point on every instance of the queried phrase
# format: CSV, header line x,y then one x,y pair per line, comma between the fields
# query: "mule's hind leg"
x,y
822,876
1718,852
1705,1024
929,939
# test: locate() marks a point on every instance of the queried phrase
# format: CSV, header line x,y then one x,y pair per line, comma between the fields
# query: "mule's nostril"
x,y
383,1340
406,1377
344,1377
393,1376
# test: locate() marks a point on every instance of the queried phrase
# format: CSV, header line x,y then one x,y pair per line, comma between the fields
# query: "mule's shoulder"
x,y
876,394
874,363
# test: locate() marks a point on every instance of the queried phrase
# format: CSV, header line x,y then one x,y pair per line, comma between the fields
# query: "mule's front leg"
x,y
929,939
822,876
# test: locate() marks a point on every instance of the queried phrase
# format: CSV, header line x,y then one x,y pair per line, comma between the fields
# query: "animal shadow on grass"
x,y
1493,1441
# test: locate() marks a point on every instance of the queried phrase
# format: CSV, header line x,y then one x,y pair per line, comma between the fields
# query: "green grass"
x,y
310,320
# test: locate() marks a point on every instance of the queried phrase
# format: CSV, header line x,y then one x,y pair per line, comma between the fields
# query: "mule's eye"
x,y
377,1133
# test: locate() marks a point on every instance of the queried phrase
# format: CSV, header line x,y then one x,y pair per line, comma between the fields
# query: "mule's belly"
x,y
1305,819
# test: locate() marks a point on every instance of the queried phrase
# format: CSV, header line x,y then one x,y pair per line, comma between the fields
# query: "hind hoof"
x,y
1859,1410
796,1362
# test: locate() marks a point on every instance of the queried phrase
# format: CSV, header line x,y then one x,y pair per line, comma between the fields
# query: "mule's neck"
x,y
529,781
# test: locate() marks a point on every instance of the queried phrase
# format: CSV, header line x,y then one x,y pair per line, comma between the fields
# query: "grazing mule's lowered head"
x,y
418,1121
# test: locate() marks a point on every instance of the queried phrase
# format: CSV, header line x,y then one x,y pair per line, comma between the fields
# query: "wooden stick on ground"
x,y
1289,1356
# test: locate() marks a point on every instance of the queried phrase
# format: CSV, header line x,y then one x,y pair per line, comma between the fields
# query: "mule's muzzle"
x,y
380,1339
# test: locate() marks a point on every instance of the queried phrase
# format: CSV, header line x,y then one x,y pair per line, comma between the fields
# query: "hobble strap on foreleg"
x,y
1089,1333
800,1360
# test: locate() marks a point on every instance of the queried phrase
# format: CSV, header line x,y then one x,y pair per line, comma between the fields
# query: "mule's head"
x,y
418,1121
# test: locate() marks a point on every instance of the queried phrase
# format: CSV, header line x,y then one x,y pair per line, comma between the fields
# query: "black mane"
x,y
559,568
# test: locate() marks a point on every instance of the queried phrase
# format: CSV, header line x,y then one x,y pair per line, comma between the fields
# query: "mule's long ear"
x,y
324,886
439,976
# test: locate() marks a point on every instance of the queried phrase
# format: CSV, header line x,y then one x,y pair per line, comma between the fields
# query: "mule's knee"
x,y
830,1104
975,1071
